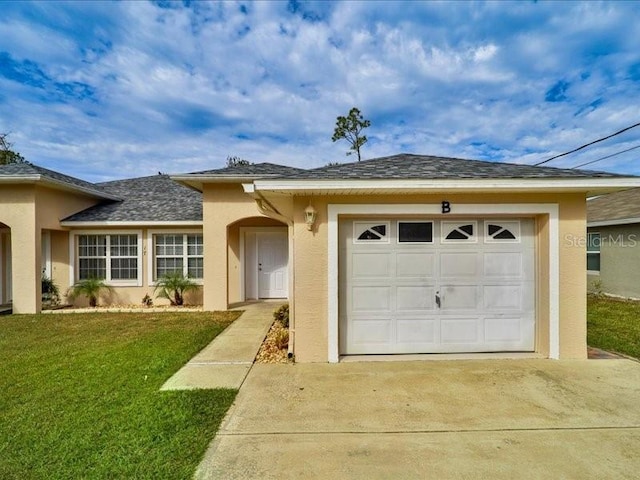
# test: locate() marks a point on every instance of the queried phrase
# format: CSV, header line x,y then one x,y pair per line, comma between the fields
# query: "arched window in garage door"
x,y
459,232
367,232
502,231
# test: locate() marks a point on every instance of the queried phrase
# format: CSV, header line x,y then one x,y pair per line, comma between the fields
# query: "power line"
x,y
588,144
608,156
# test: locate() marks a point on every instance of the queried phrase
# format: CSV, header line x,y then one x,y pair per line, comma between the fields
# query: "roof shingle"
x,y
145,199
409,166
28,169
614,206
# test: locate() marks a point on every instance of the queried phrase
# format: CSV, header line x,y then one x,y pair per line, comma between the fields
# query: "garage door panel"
x,y
367,265
415,298
458,265
423,330
413,264
459,330
503,330
371,332
459,297
503,264
501,297
368,298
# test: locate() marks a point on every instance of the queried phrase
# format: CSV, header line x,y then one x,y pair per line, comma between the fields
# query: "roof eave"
x,y
130,223
57,184
196,180
611,223
591,186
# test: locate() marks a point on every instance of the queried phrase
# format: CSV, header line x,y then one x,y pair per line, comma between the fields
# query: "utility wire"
x,y
588,144
608,156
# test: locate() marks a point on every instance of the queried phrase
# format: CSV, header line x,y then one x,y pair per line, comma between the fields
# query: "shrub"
x,y
282,315
281,339
90,288
173,286
50,291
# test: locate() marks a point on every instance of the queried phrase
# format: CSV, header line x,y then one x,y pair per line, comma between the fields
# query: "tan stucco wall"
x,y
310,269
619,260
223,207
27,210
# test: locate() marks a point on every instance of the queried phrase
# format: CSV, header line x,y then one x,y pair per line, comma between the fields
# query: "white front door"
x,y
272,265
436,286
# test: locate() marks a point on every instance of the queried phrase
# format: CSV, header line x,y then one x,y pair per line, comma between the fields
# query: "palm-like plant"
x,y
90,288
173,286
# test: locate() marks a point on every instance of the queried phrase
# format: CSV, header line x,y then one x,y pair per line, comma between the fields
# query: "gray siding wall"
x,y
619,260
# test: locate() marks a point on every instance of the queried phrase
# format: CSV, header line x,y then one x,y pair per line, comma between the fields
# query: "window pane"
x,y
169,244
195,268
124,268
415,232
593,262
92,245
124,245
168,265
593,242
92,268
194,245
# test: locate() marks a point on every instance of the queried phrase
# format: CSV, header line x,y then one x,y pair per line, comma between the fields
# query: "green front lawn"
x,y
79,395
614,325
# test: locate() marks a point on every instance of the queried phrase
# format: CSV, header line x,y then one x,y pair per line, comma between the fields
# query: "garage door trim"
x,y
433,210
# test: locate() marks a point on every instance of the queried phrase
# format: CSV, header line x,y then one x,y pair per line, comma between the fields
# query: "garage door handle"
x,y
438,299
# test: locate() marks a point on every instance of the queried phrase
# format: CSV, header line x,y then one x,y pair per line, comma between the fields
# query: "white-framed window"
x,y
502,231
415,231
593,252
178,252
371,232
463,231
115,258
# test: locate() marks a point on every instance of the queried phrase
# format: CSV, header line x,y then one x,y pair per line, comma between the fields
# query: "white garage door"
x,y
436,286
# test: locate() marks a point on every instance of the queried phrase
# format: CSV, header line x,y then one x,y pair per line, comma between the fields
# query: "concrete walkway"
x,y
466,419
226,361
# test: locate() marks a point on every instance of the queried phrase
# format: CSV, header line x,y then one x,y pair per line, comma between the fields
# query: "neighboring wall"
x,y
27,210
310,269
619,261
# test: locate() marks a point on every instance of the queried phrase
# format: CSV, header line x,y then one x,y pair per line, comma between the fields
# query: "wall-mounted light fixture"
x,y
310,214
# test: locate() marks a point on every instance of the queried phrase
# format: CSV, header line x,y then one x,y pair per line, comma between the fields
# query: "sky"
x,y
103,90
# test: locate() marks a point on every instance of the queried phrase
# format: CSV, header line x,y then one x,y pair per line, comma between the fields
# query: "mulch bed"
x,y
274,349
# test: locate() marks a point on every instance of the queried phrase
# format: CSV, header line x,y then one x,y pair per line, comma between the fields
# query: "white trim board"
x,y
589,185
609,223
550,209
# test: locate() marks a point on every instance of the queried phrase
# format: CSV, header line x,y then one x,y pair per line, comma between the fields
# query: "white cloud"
x,y
179,89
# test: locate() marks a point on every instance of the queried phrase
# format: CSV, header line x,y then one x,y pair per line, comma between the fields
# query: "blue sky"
x,y
105,90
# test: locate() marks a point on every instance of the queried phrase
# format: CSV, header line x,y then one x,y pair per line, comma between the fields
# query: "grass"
x,y
79,395
614,325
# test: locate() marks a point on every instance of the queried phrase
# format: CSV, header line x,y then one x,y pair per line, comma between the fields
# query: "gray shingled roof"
x,y
145,199
614,206
252,170
28,169
409,166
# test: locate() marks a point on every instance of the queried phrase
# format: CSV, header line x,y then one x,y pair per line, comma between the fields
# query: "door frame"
x,y
434,210
246,263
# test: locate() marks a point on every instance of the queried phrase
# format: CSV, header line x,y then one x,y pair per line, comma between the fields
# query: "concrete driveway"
x,y
433,419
